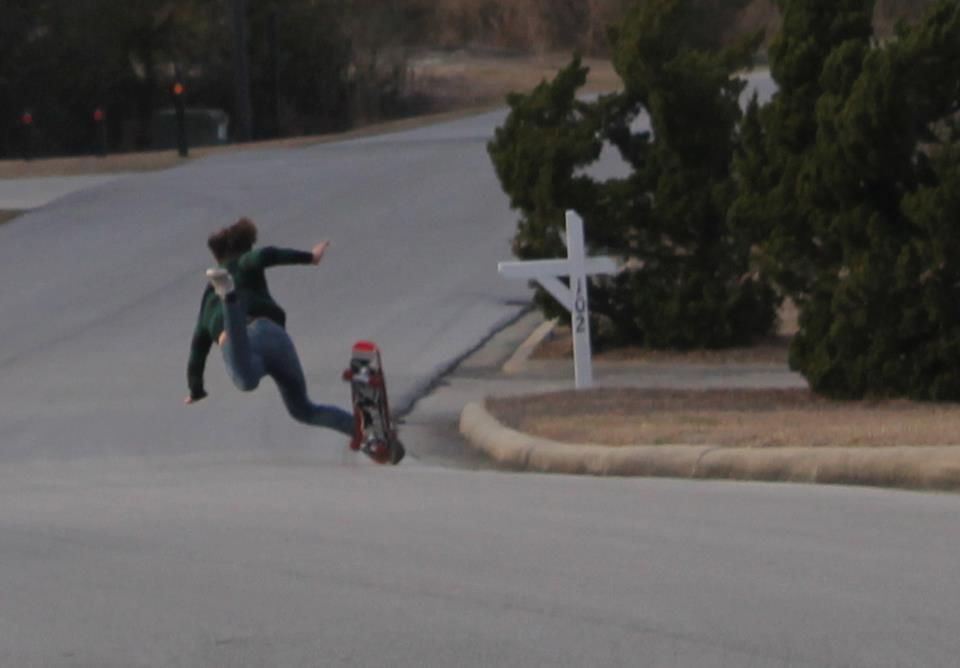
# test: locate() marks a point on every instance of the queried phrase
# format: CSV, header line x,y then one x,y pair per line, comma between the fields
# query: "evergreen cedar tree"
x,y
843,192
690,282
849,180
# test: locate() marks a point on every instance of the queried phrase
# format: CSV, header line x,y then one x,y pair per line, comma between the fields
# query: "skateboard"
x,y
376,435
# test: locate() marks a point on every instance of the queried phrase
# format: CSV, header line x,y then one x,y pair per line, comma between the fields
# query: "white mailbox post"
x,y
577,266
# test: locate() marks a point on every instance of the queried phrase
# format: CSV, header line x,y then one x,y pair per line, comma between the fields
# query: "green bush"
x,y
689,281
854,167
547,138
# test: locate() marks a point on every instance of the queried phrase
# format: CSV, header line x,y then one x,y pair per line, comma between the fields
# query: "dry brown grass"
x,y
485,79
535,25
7,216
542,25
765,418
727,418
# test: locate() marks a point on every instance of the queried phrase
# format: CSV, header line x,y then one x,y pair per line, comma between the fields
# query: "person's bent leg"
x,y
244,363
283,365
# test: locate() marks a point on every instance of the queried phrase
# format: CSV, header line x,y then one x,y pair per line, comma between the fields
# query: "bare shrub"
x,y
543,25
527,25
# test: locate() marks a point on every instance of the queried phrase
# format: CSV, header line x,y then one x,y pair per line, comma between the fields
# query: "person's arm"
x,y
271,256
200,346
199,349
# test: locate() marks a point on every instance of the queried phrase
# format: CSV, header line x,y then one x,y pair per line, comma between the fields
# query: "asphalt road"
x,y
31,193
135,531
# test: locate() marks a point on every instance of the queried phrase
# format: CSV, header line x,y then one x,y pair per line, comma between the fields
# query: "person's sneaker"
x,y
221,281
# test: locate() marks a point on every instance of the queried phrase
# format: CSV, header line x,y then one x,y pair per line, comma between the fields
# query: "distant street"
x,y
23,194
136,531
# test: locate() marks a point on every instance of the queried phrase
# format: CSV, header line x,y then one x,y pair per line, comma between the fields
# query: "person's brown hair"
x,y
234,240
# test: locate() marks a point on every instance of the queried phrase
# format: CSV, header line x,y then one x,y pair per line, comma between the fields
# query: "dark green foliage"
x,y
889,288
62,59
860,198
772,160
690,283
548,136
696,287
312,66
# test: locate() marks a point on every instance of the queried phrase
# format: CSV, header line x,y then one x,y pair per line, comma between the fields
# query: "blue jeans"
x,y
263,348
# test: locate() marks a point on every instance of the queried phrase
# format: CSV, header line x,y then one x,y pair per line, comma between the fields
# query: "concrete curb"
x,y
920,467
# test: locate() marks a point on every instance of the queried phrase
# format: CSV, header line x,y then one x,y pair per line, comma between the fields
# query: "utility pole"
x,y
243,112
180,108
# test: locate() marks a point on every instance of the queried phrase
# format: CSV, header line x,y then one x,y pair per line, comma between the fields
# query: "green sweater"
x,y
251,286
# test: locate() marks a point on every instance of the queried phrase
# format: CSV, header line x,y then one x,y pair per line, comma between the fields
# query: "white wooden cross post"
x,y
577,266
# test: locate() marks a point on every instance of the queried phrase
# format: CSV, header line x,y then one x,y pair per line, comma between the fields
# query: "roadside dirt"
x,y
466,79
724,418
727,418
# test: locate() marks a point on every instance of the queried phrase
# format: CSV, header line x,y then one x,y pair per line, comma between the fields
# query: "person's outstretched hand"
x,y
319,250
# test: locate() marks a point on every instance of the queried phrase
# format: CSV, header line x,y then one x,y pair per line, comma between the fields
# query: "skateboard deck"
x,y
376,435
